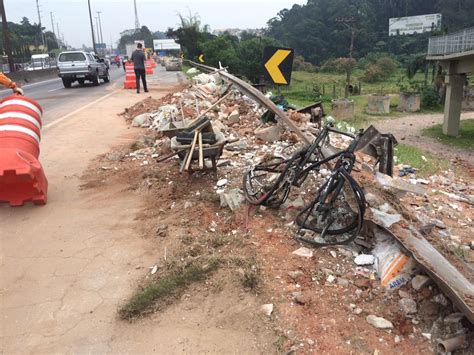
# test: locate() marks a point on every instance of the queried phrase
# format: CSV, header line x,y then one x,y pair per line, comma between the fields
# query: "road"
x,y
58,102
66,266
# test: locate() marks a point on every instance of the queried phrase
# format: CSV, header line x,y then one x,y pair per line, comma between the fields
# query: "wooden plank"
x,y
201,154
191,151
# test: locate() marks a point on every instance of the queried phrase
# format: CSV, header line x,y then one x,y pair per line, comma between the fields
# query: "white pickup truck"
x,y
81,66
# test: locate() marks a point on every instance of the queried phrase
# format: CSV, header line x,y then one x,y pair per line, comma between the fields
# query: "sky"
x,y
118,15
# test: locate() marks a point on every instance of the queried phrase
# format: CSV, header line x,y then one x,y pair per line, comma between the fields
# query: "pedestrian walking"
x,y
5,81
138,59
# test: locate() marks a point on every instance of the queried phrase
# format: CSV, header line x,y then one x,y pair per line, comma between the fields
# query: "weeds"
x,y
168,285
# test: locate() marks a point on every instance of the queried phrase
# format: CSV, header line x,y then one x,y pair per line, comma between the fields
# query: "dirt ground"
x,y
408,130
67,266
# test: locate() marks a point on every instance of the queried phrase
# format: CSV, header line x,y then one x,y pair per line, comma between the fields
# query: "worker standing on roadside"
x,y
138,59
6,81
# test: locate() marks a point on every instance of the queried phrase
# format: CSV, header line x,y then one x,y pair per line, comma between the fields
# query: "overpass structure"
x,y
455,53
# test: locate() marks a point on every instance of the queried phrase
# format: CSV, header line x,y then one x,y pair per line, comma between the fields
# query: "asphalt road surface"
x,y
57,102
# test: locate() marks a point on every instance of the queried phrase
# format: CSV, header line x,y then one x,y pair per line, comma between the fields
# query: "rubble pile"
x,y
439,208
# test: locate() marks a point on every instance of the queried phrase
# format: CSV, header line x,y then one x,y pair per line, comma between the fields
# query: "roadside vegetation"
x,y
426,163
465,139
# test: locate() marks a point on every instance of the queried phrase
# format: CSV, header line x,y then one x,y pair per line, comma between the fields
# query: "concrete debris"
x,y
384,218
222,182
303,252
141,120
364,259
233,117
420,281
192,71
379,322
407,305
267,309
398,184
231,199
269,134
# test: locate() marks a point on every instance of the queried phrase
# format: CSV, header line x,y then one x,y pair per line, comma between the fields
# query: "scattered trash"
x,y
392,265
364,259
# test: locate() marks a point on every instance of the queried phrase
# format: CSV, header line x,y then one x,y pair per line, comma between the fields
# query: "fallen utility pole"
x,y
256,95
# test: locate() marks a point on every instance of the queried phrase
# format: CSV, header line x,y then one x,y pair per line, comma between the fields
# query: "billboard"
x,y
414,24
165,45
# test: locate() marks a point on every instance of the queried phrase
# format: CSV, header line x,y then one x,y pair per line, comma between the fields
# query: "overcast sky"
x,y
118,15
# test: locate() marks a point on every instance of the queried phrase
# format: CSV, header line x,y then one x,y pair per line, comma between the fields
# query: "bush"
x,y
372,74
301,64
339,65
387,65
329,66
382,69
429,98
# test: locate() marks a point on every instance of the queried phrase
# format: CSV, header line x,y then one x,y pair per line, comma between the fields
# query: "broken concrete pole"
x,y
269,134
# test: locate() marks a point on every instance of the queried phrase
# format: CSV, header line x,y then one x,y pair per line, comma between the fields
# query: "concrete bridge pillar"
x,y
452,106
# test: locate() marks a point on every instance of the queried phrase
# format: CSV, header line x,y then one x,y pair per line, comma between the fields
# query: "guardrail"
x,y
457,42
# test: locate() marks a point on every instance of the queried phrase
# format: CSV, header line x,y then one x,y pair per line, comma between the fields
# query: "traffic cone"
x,y
148,67
130,79
21,176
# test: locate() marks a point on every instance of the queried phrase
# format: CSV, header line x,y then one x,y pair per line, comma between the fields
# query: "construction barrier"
x,y
21,176
130,80
148,67
153,63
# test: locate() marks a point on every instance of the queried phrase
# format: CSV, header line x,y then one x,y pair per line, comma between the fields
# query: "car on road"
x,y
81,66
173,64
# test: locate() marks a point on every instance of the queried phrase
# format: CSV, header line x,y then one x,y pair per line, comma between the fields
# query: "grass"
x,y
300,93
465,139
410,155
168,285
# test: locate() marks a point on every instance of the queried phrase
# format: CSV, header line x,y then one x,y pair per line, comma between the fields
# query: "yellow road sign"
x,y
278,64
201,58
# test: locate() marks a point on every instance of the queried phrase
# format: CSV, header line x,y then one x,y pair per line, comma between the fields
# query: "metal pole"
x,y
97,36
92,25
6,38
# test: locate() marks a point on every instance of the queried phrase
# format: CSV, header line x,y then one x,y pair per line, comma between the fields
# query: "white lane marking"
x,y
54,90
34,84
54,123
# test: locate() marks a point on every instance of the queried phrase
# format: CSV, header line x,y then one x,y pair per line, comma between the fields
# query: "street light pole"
x,y
6,38
92,25
100,27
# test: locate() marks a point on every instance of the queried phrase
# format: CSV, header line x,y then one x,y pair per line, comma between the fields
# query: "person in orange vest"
x,y
6,81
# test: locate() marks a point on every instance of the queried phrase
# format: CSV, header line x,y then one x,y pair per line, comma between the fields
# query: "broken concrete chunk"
x,y
140,120
234,117
364,259
269,134
386,219
407,305
379,322
420,281
398,184
221,182
303,252
267,309
231,199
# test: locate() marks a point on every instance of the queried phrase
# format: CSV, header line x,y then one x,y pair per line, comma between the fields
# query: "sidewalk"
x,y
66,266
